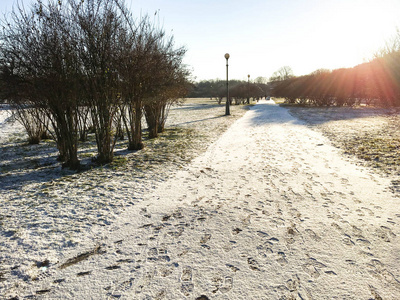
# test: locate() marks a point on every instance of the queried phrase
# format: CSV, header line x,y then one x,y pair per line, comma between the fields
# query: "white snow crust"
x,y
270,211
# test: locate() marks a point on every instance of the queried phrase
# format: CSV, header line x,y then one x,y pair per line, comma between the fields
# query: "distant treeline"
x,y
373,83
239,90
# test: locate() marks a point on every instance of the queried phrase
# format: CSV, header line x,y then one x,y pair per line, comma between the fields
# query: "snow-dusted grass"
x,y
369,134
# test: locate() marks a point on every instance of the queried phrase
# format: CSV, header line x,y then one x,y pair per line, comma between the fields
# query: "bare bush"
x,y
33,121
89,64
39,66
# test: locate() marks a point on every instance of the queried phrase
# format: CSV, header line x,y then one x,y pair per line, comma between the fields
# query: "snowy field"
x,y
47,212
271,210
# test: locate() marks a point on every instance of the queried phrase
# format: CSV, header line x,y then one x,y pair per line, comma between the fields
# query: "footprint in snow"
x,y
253,264
385,233
228,284
311,270
313,235
347,241
293,284
186,274
282,258
186,278
363,242
202,297
123,287
232,268
205,238
236,230
374,293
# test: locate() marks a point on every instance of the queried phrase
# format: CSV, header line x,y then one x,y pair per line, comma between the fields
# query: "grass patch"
x,y
119,162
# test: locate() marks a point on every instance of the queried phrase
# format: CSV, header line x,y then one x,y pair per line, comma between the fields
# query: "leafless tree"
x,y
99,26
169,84
283,73
152,77
73,59
32,119
40,68
261,80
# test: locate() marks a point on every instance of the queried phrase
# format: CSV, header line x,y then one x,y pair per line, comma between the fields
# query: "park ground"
x,y
269,203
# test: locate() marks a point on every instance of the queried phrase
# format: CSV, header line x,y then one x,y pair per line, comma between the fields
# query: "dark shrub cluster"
x,y
72,66
373,83
240,91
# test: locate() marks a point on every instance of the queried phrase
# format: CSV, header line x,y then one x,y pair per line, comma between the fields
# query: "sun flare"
x,y
360,29
336,34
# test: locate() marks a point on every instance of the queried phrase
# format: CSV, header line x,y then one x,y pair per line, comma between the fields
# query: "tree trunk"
x,y
68,131
162,118
137,143
101,121
151,119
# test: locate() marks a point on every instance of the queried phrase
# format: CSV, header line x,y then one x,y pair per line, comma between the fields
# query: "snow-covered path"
x,y
270,211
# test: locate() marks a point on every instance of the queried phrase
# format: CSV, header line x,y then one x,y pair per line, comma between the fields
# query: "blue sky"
x,y
263,35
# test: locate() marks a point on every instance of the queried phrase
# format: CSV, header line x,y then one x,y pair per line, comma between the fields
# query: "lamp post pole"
x,y
248,89
227,111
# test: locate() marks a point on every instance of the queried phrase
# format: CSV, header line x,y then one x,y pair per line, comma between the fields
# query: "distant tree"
x,y
283,73
261,80
375,82
212,89
239,93
320,71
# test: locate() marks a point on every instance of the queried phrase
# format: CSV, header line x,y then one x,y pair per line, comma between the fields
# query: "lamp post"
x,y
248,89
227,112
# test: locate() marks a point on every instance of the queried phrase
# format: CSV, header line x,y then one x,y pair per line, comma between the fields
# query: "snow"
x,y
8,126
270,211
